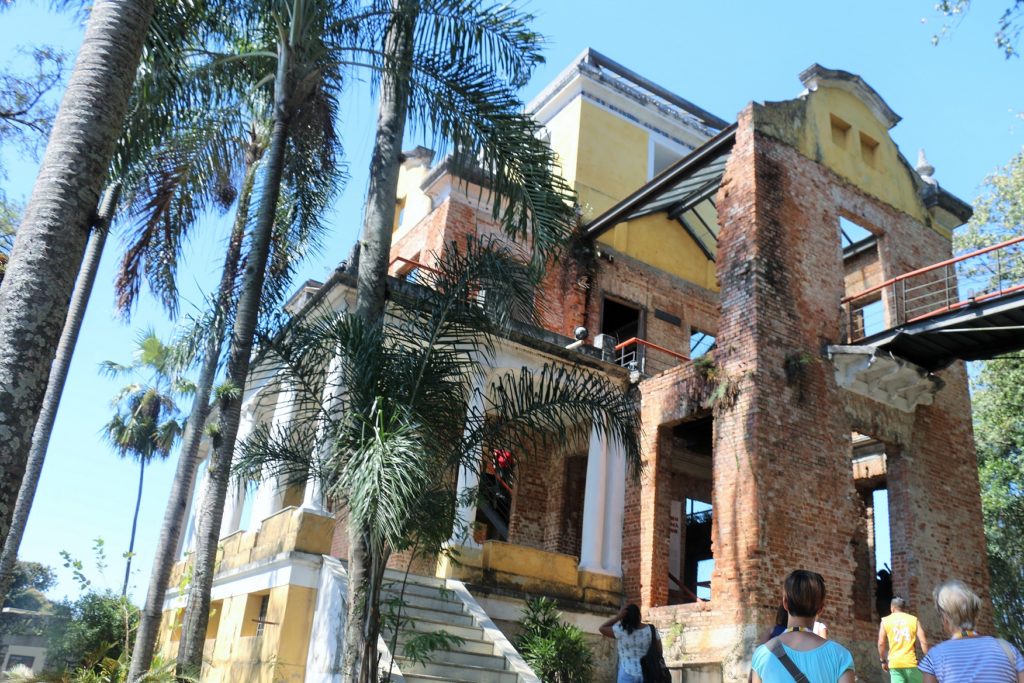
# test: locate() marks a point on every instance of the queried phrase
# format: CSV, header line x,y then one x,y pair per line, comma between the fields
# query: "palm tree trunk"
x,y
197,610
363,619
188,459
51,240
55,387
135,526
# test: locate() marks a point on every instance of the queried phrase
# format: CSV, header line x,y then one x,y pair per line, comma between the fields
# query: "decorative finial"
x,y
925,169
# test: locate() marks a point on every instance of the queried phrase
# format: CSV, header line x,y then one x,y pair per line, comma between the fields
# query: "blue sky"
x,y
958,100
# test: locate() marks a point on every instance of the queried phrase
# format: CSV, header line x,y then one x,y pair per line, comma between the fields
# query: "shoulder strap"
x,y
775,647
1010,654
655,644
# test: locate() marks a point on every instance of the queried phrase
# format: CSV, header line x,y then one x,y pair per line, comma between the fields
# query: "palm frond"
x,y
534,410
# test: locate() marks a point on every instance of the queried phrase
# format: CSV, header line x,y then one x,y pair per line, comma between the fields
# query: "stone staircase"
x,y
432,605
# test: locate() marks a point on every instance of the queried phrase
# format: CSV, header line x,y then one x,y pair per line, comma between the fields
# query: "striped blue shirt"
x,y
972,660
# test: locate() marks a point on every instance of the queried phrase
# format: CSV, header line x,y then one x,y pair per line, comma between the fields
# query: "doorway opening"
x,y
873,586
690,554
620,320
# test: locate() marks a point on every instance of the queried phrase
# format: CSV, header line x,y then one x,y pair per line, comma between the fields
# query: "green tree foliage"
x,y
84,631
385,415
557,651
146,423
26,114
998,392
1008,27
31,581
101,668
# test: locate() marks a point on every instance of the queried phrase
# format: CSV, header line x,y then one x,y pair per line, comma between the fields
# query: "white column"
x,y
232,518
270,492
312,496
188,539
614,509
593,537
185,538
469,477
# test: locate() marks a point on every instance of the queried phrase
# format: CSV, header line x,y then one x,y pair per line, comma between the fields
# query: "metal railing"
x,y
647,358
946,286
409,268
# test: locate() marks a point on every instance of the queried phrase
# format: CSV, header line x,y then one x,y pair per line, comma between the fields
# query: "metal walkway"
x,y
966,308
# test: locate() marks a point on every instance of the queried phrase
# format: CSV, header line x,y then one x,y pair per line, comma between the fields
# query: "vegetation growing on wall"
x,y
555,650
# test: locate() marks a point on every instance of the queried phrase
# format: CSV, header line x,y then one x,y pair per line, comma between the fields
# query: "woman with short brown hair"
x,y
798,651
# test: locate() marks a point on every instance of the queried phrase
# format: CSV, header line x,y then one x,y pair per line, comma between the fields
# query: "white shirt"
x,y
632,647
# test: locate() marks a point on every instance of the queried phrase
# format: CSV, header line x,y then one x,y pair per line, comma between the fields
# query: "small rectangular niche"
x,y
869,150
840,131
255,617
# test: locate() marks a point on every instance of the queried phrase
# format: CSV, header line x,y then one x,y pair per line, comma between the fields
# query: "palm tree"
x,y
471,100
199,150
457,78
299,167
50,242
146,425
54,389
382,412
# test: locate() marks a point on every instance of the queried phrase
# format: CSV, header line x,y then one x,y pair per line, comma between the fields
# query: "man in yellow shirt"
x,y
896,638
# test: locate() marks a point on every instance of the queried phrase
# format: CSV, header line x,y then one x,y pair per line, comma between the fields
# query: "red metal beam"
x,y
644,342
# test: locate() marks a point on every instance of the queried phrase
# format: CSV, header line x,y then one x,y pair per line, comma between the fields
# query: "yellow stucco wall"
x,y
664,244
834,127
882,174
612,158
233,650
234,653
606,158
532,570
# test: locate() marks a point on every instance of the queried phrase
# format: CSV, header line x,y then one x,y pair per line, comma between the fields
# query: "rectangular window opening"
x,y
690,555
873,588
623,322
495,494
700,342
255,618
20,660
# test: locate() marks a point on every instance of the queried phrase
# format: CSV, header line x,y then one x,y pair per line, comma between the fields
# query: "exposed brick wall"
x,y
629,280
783,487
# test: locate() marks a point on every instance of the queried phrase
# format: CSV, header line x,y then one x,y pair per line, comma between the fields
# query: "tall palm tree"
x,y
469,98
145,426
54,389
300,155
49,246
458,80
399,408
174,160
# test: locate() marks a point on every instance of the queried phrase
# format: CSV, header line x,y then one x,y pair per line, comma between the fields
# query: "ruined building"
x,y
723,258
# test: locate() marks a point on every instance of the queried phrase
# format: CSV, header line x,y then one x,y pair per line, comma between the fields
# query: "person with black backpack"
x,y
638,646
798,655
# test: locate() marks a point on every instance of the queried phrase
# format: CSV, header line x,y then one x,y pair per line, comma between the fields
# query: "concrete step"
x,y
458,657
468,645
427,591
424,678
415,613
458,672
420,602
432,626
395,576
